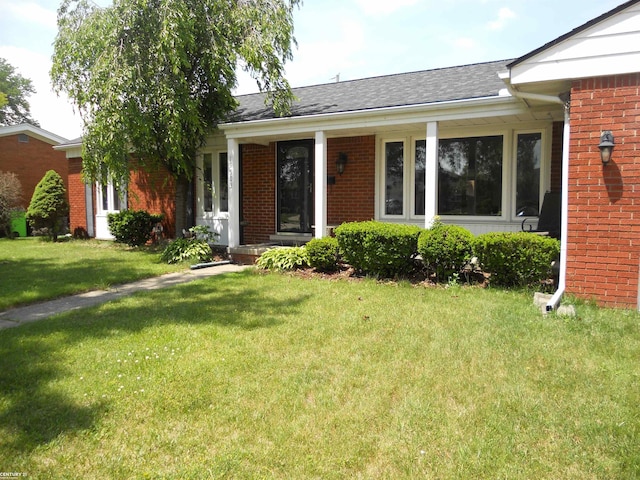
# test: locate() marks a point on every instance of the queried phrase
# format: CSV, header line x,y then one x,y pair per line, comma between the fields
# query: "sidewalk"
x,y
39,311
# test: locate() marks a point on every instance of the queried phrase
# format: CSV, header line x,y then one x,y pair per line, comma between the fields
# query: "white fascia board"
x,y
576,68
32,131
382,117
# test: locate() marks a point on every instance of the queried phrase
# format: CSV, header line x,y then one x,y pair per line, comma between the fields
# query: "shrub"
x,y
48,209
133,227
378,249
323,254
445,250
10,198
516,259
186,249
283,258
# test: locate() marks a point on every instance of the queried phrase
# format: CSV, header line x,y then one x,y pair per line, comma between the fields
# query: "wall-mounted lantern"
x,y
341,162
606,146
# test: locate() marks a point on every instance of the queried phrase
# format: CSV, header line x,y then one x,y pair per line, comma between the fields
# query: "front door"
x,y
295,186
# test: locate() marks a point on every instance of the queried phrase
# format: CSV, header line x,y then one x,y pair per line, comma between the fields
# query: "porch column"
x,y
233,167
320,184
431,175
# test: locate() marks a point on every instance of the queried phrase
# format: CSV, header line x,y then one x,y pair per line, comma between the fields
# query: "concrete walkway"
x,y
39,311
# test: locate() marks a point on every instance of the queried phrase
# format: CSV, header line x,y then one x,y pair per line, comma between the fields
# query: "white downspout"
x,y
552,304
564,222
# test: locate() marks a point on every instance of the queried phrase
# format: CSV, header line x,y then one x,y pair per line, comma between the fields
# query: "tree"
x,y
10,198
49,207
14,90
154,77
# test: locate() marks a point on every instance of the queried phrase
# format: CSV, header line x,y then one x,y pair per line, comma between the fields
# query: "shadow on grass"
x,y
34,413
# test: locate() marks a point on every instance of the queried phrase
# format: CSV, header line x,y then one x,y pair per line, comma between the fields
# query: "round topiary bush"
x,y
323,254
445,250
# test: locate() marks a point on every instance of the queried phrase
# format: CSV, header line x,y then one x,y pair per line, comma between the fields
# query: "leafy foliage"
x,y
186,249
323,254
49,208
516,259
445,249
379,249
10,198
133,227
14,90
157,75
283,258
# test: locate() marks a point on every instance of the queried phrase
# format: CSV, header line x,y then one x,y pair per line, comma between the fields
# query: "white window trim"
x,y
216,214
545,165
110,199
509,171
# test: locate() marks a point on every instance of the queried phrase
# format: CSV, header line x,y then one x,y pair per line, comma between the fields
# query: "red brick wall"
x,y
352,198
30,161
77,201
259,192
604,201
153,192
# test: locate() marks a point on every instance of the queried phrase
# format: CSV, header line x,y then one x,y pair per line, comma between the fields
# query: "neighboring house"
x,y
27,151
477,145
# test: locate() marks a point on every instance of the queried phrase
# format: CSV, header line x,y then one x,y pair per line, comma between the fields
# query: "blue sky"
x,y
352,38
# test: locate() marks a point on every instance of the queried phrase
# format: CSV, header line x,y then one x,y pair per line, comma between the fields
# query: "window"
x,y
215,184
394,178
529,146
471,173
111,200
470,176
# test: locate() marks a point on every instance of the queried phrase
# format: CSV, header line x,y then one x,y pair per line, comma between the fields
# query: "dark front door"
x,y
295,186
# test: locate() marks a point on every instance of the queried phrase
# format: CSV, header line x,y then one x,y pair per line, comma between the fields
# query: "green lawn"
x,y
32,270
272,376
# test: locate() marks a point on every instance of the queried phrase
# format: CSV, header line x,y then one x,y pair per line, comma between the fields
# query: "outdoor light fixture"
x,y
606,146
341,162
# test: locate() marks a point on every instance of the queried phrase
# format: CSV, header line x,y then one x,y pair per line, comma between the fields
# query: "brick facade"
x,y
150,191
603,252
30,161
351,198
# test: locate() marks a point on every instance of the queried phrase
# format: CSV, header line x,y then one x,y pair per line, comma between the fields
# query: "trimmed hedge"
x,y
445,249
516,259
133,227
378,249
323,254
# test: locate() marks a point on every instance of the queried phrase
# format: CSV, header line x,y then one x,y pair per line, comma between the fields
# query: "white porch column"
x,y
233,166
320,184
431,175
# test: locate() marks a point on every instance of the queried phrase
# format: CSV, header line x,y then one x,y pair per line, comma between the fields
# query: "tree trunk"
x,y
184,206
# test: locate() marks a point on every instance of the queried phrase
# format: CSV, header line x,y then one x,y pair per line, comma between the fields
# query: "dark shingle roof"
x,y
430,86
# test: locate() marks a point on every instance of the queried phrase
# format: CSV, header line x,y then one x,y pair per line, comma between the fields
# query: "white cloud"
x,y
54,113
504,15
383,7
30,12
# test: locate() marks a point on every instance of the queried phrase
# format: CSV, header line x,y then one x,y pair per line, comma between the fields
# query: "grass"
x,y
273,376
32,270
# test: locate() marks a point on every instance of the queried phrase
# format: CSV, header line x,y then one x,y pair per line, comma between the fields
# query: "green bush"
x,y
133,227
445,250
283,258
379,249
516,259
187,249
48,209
323,254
